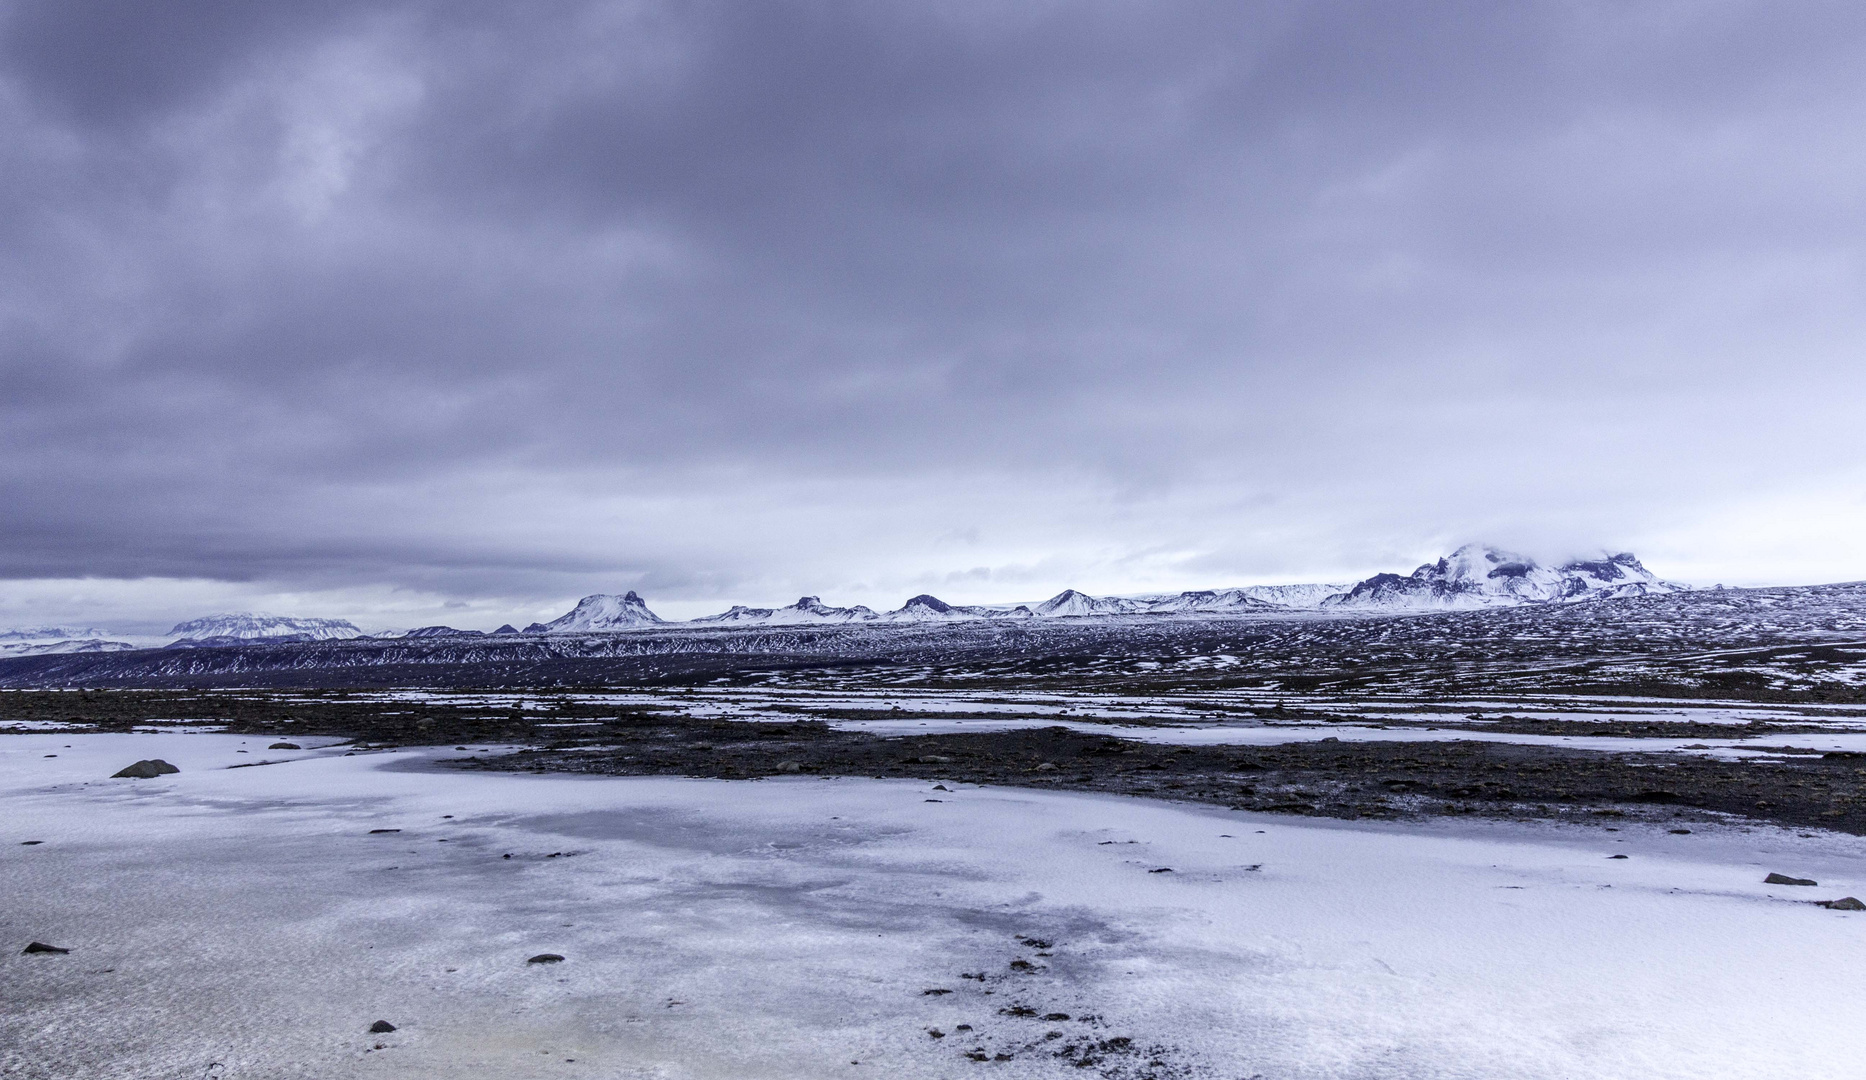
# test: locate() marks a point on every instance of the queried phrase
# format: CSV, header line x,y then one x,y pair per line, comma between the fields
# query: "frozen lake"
x,y
246,922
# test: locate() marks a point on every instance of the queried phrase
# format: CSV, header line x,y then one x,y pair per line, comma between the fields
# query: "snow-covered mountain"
x,y
69,645
601,612
249,627
50,634
1210,602
1478,575
807,610
1294,596
1072,604
925,608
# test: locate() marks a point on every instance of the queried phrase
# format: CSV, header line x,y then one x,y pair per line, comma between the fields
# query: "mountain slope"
x,y
604,612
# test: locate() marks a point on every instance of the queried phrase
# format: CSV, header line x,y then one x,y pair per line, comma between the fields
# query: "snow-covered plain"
x,y
245,922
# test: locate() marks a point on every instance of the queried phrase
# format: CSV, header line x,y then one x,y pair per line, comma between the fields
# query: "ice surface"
x,y
245,922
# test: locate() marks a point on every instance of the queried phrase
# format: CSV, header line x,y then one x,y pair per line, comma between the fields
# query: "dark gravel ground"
x,y
1333,779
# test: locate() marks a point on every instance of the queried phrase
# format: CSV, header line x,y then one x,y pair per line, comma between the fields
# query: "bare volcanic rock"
x,y
1784,879
147,769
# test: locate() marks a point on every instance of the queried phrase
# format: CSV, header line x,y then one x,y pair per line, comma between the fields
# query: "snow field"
x,y
248,917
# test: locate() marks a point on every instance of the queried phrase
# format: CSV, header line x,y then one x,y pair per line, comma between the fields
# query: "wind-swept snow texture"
x,y
247,627
247,922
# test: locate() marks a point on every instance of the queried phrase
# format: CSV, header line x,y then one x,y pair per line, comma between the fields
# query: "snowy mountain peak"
x,y
604,612
1070,603
1479,575
249,627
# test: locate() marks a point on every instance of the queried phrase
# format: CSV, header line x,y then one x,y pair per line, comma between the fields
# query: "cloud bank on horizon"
x,y
448,312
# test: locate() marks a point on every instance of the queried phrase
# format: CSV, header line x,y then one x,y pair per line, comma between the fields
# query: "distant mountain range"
x,y
50,633
1474,576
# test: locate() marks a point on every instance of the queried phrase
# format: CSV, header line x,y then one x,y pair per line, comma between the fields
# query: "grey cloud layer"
x,y
487,297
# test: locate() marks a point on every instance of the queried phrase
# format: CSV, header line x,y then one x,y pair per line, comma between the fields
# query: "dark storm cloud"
x,y
492,297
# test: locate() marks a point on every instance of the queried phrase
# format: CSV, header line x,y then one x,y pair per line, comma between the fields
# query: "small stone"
x,y
285,746
936,1033
147,769
1784,879
29,843
373,832
381,1027
941,787
1616,856
1168,869
1845,903
546,958
42,947
1681,832
935,992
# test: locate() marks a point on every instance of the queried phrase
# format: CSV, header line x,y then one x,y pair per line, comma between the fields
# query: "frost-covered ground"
x,y
246,922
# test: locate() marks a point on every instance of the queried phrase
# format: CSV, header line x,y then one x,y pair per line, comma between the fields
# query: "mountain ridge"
x,y
1473,576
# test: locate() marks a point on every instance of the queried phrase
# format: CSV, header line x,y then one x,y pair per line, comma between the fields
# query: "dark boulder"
x,y
42,947
381,1027
147,769
1784,879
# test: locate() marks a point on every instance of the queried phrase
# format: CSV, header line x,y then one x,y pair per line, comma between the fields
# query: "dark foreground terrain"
x,y
1435,773
1334,779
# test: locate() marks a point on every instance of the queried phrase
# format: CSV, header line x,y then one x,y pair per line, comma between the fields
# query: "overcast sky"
x,y
456,311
